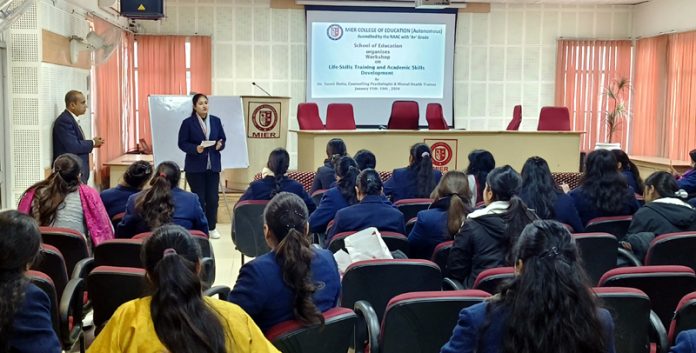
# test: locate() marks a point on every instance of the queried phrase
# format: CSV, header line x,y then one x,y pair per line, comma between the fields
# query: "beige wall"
x,y
663,16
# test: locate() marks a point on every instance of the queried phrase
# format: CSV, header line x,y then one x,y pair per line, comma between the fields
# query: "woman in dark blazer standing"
x,y
202,164
415,181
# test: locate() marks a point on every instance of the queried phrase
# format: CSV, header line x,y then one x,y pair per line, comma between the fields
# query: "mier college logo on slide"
x,y
335,32
444,154
264,121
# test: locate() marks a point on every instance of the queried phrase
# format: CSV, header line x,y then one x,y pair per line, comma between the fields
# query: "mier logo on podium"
x,y
334,31
444,154
264,120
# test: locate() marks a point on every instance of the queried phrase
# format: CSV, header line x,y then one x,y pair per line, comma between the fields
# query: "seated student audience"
x,y
274,180
176,317
481,162
135,177
340,196
603,191
365,159
685,342
25,310
687,181
629,170
164,202
294,280
442,220
61,200
372,211
487,235
664,212
546,308
326,175
541,193
415,181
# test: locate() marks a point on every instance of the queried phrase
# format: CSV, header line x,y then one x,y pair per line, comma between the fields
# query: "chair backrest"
x,y
411,207
116,219
630,309
394,241
247,228
52,263
684,317
422,322
336,335
665,285
119,252
554,119
435,117
598,253
71,244
514,124
490,280
673,249
339,116
404,115
440,255
109,287
410,224
616,225
308,117
377,281
200,237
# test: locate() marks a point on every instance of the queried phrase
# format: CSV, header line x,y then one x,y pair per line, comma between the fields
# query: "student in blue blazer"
x,y
25,310
134,179
164,202
629,170
202,164
541,194
342,195
685,343
273,181
294,280
534,312
415,181
326,175
372,211
688,180
442,220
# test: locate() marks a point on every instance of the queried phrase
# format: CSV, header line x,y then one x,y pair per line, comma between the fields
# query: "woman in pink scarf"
x,y
62,201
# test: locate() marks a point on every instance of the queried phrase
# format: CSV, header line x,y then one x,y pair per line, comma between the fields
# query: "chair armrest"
x,y
71,306
83,268
629,256
658,333
367,320
207,272
221,291
451,284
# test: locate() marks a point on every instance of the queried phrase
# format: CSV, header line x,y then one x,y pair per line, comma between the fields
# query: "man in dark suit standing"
x,y
68,136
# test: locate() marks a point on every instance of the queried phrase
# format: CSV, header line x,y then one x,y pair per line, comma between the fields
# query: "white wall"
x,y
660,16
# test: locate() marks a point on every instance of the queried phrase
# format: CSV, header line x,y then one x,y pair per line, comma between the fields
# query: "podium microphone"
x,y
261,88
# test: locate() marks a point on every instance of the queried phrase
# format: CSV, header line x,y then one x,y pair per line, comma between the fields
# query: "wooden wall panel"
x,y
56,50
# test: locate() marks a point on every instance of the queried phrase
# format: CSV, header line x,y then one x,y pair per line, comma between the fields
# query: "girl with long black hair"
x,y
629,170
326,174
548,307
292,281
481,162
134,179
415,181
338,197
176,317
274,181
487,236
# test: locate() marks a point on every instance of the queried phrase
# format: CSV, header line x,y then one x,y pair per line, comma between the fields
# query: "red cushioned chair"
x,y
514,124
617,225
598,252
554,119
665,285
418,322
440,255
411,207
339,116
200,237
116,219
247,228
491,279
394,241
410,224
51,262
72,245
684,317
404,115
109,287
118,252
308,117
673,249
335,336
435,117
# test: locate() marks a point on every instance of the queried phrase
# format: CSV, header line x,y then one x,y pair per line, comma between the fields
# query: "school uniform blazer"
x,y
32,328
588,211
688,181
261,291
262,189
191,135
68,138
429,230
330,203
402,184
685,343
632,182
324,178
115,199
564,211
466,336
370,212
187,213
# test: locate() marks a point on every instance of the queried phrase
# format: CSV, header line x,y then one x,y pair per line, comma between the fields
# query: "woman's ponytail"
x,y
156,205
347,171
456,213
422,165
278,163
51,192
517,217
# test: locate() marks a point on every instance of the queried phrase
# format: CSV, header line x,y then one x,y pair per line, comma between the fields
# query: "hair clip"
x,y
163,175
681,193
169,251
425,154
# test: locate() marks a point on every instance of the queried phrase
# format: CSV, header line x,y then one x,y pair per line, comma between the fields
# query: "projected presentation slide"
x,y
372,60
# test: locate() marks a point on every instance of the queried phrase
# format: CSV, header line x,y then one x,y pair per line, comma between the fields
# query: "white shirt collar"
x,y
74,116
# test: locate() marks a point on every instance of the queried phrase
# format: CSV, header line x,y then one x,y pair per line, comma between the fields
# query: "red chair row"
x,y
550,119
339,116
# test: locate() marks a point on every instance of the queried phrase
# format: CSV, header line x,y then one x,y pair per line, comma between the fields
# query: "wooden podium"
x,y
266,124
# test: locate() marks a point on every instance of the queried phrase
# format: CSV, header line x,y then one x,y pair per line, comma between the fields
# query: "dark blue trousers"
x,y
205,185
